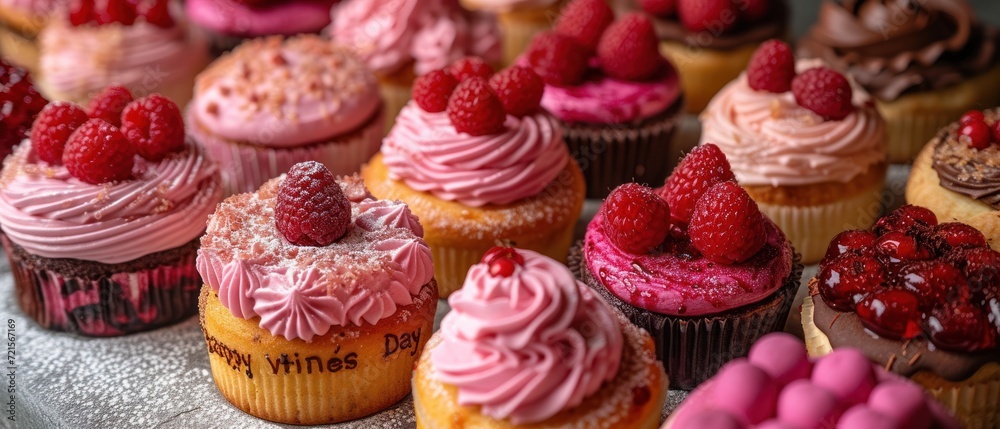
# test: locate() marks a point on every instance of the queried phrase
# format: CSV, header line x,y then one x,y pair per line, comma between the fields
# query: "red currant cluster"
x,y
976,131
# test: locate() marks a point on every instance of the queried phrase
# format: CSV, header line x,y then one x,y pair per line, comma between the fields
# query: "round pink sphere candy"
x,y
862,417
805,405
847,374
714,419
745,390
782,356
902,401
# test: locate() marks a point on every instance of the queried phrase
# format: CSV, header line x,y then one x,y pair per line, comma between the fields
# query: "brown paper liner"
x,y
611,155
348,373
693,349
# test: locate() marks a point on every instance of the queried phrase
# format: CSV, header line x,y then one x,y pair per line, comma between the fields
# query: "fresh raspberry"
x,y
960,326
976,134
558,59
932,281
659,8
853,241
907,219
153,124
97,152
115,11
635,218
432,90
823,91
727,226
717,16
584,21
474,108
950,235
109,104
772,67
754,10
311,209
629,49
972,115
81,12
502,261
896,246
891,313
701,169
158,14
848,278
469,67
52,129
519,89
20,104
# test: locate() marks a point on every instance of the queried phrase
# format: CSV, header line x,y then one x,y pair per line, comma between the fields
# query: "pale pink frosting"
x,y
681,282
425,151
288,17
78,61
51,214
770,140
36,7
285,93
745,395
431,34
380,265
612,101
528,346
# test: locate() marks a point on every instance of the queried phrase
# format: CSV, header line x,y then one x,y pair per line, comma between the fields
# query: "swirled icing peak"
x,y
425,151
770,140
528,345
380,264
429,34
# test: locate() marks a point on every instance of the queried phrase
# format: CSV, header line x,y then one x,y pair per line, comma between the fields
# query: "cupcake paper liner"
x,y
705,71
395,95
693,349
520,26
107,305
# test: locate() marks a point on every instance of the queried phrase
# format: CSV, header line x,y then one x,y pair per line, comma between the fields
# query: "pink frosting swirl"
x,y
302,291
52,214
425,152
391,34
771,140
611,101
528,346
286,17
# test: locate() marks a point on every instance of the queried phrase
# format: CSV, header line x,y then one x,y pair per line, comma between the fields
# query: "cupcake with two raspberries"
x,y
478,162
227,23
711,41
101,212
957,175
695,263
526,345
778,387
140,46
921,299
806,142
20,104
616,96
318,298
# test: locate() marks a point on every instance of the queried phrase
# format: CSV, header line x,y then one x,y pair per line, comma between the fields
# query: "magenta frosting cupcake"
x,y
227,23
274,102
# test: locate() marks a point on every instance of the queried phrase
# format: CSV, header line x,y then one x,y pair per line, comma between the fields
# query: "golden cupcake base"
x,y
703,72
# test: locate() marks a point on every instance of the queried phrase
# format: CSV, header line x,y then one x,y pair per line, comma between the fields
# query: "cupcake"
x,y
809,148
274,102
919,298
526,345
101,223
480,163
519,20
957,175
403,39
616,97
20,23
711,42
779,387
700,268
318,298
20,104
227,23
144,49
925,62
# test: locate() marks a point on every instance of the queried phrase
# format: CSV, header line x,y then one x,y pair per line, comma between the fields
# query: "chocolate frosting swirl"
x,y
773,26
894,47
967,171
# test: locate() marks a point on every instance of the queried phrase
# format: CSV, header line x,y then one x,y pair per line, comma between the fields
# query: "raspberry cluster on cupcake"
x,y
616,96
711,41
227,23
141,46
20,104
478,161
919,297
526,345
318,298
957,175
778,387
805,141
695,263
101,211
